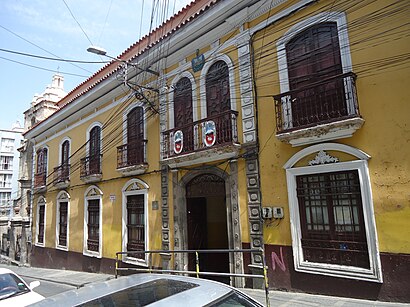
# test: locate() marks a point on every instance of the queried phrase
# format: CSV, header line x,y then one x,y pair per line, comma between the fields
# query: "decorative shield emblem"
x,y
198,62
178,141
210,133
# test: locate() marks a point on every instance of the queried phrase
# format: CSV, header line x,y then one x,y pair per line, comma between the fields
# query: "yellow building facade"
x,y
279,125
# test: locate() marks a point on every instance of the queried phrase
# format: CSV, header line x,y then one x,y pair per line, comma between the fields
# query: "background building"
x,y
10,141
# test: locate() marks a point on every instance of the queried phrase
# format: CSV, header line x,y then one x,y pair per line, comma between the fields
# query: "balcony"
x,y
209,139
40,180
323,111
62,176
90,168
132,158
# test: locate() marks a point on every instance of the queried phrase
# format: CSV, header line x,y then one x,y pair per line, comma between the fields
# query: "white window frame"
x,y
92,193
134,187
63,196
40,202
374,273
346,61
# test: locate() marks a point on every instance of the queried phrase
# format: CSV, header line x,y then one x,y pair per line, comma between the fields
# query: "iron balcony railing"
x,y
40,179
61,173
194,134
327,101
132,154
90,165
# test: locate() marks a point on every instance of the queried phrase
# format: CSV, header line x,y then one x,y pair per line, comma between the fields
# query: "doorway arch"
x,y
215,190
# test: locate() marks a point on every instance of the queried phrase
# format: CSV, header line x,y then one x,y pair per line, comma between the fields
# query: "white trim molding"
x,y
374,273
62,196
41,202
92,193
134,187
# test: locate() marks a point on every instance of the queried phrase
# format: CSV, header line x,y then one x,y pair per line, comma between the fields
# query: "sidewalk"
x,y
276,298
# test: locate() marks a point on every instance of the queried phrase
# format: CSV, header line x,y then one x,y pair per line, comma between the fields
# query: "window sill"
x,y
62,248
208,155
92,254
92,178
135,261
339,271
62,185
321,133
133,170
40,189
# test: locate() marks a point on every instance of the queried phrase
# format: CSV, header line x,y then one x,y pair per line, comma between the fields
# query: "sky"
x,y
64,29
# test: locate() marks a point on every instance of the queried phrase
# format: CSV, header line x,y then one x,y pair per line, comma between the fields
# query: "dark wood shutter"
x,y
135,136
183,116
62,236
218,100
95,150
41,221
93,225
313,56
65,156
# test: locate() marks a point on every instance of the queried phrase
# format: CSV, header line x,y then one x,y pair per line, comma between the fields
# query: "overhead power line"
x,y
42,68
52,59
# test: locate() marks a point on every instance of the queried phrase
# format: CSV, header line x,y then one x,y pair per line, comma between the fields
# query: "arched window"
x,y
41,168
65,163
91,164
218,104
217,89
183,115
135,136
330,203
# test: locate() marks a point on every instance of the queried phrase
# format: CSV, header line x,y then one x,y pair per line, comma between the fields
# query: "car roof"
x,y
5,271
203,292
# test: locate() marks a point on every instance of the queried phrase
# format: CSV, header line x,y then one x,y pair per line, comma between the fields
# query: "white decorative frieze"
x,y
323,158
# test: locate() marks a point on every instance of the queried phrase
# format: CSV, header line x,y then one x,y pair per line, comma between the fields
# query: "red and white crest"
x,y
210,133
178,141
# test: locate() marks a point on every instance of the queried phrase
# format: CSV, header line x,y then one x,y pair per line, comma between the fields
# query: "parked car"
x,y
154,290
15,292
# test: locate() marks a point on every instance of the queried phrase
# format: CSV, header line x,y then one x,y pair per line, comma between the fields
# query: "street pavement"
x,y
66,280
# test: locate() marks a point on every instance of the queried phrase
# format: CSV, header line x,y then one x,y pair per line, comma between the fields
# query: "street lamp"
x,y
101,51
97,50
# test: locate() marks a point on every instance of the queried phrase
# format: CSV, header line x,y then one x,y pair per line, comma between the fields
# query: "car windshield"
x,y
11,285
142,295
235,299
